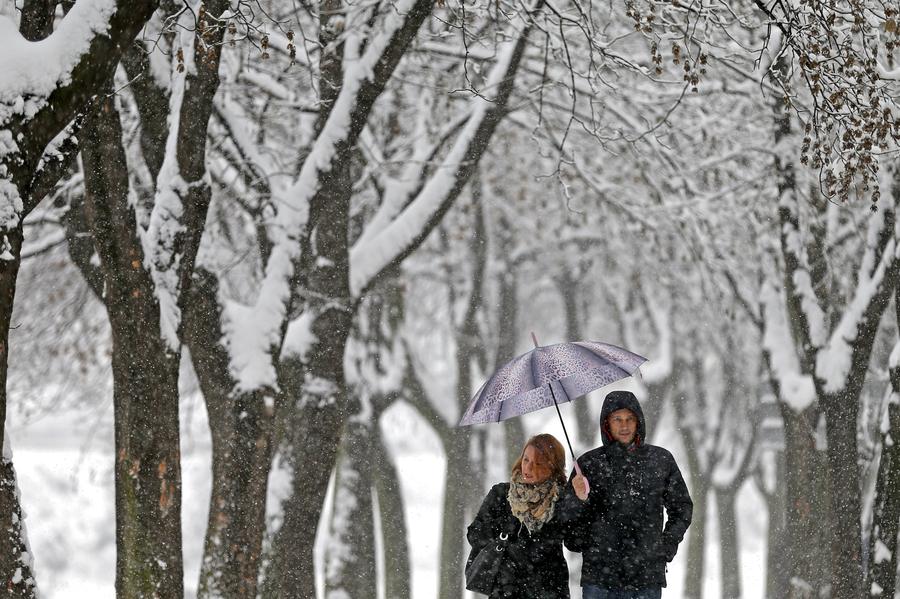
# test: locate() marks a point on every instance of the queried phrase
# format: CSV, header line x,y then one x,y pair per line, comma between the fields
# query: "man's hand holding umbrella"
x,y
580,485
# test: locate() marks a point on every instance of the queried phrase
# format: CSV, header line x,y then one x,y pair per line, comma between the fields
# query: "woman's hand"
x,y
580,484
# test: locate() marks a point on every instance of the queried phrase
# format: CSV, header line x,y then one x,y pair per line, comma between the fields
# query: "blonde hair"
x,y
551,454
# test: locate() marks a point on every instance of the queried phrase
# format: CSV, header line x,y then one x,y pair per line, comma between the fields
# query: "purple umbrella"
x,y
548,376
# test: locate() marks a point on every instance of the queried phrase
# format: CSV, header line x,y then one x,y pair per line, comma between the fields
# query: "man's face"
x,y
623,426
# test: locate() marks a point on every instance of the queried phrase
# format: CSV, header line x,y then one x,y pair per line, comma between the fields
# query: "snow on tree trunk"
x,y
145,378
16,559
43,87
241,426
376,363
834,348
147,267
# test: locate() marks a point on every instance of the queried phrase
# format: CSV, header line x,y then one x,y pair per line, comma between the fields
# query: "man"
x,y
619,530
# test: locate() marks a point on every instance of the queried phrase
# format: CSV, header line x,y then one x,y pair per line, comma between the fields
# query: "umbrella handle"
x,y
562,422
586,483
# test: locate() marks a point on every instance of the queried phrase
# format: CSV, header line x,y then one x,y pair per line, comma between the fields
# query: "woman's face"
x,y
534,471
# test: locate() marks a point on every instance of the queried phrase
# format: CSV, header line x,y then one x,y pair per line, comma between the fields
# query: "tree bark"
x,y
16,559
350,571
730,564
699,486
777,566
507,329
806,510
19,170
460,482
241,428
568,285
145,378
145,365
882,563
694,571
397,573
318,422
882,573
841,410
364,465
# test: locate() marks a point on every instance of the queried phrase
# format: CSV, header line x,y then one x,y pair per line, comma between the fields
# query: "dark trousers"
x,y
592,592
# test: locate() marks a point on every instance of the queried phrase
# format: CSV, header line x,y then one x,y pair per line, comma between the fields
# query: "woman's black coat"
x,y
537,568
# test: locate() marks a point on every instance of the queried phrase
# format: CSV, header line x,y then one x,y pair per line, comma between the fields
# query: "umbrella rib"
x,y
534,376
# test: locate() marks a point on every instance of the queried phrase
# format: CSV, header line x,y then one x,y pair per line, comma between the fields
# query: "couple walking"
x,y
611,511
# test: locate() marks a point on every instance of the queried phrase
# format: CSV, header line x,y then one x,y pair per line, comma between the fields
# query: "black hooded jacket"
x,y
535,567
620,529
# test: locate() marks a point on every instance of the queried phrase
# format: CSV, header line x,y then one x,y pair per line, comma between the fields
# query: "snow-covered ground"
x,y
64,463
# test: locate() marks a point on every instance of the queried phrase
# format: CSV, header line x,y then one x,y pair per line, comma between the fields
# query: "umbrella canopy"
x,y
549,375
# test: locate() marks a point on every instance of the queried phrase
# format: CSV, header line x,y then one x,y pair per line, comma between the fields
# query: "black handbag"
x,y
483,566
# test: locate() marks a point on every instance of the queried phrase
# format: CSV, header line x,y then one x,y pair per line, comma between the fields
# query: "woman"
x,y
523,515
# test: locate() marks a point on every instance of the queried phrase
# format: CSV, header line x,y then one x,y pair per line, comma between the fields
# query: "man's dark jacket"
x,y
535,567
620,529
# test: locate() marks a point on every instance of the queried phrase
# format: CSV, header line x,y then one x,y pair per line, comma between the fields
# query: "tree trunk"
x,y
397,574
699,487
693,574
16,559
350,571
241,430
310,451
453,520
777,566
806,512
657,394
15,566
146,351
507,330
728,543
145,379
28,176
886,509
320,409
841,413
321,406
462,486
586,426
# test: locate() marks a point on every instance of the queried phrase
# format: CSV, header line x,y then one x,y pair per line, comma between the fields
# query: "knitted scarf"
x,y
532,505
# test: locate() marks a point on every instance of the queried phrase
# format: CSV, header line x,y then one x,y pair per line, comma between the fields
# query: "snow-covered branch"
x,y
413,224
796,389
364,77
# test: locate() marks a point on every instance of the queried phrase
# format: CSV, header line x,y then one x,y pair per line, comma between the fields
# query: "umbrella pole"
x,y
565,432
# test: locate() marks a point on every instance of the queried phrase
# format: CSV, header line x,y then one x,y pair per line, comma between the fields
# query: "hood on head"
x,y
617,400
